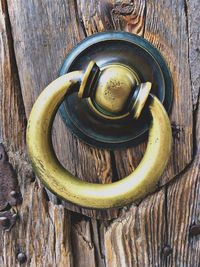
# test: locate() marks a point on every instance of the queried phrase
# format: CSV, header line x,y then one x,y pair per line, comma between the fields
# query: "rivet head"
x,y
13,194
5,222
21,257
16,198
195,230
167,250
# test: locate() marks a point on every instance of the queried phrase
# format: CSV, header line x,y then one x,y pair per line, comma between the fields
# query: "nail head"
x,y
167,250
195,229
5,222
21,257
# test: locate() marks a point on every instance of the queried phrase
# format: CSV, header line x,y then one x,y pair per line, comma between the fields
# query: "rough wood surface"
x,y
40,54
193,11
13,120
170,36
157,231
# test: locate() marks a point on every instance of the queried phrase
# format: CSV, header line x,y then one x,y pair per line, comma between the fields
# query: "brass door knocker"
x,y
114,92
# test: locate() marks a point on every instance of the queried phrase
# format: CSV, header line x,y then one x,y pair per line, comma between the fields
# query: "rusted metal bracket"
x,y
7,220
10,194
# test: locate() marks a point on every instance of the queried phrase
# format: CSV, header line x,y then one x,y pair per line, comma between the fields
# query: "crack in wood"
x,y
195,119
115,176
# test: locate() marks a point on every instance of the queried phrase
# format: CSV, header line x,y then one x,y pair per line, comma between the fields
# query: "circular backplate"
x,y
105,49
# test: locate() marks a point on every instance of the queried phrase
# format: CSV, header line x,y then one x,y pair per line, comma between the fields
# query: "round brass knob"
x,y
114,87
115,90
63,183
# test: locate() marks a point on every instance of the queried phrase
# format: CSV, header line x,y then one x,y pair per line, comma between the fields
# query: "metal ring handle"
x,y
57,179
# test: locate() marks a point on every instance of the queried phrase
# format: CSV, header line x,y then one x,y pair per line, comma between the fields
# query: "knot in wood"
x,y
123,8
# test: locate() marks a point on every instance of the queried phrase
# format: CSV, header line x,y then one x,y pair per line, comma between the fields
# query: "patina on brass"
x,y
114,87
114,92
70,188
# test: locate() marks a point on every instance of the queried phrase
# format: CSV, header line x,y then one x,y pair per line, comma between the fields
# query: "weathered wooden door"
x,y
163,229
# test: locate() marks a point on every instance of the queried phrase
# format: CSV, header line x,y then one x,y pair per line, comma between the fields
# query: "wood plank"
x,y
183,211
138,238
183,197
13,119
43,33
82,242
193,14
42,231
171,38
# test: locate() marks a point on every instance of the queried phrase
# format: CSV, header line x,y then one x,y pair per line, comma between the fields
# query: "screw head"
x,y
167,250
195,229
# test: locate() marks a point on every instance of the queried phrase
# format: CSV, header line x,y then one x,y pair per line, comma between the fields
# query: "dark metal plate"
x,y
107,48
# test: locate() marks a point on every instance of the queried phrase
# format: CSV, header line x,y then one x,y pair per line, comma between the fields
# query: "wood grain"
x,y
40,222
171,38
137,238
192,9
13,119
104,15
42,233
140,236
